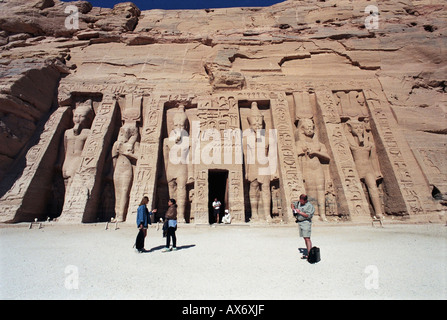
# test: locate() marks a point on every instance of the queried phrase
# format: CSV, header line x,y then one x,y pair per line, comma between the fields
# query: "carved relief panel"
x,y
291,180
23,191
145,173
399,159
351,200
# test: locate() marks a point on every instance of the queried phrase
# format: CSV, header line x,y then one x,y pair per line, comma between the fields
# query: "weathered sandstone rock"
x,y
369,80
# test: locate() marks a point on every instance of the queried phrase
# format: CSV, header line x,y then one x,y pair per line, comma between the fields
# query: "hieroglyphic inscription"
x,y
290,176
229,124
236,195
81,199
351,188
145,173
67,90
200,202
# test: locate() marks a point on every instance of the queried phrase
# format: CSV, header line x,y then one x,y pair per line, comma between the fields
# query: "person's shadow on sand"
x,y
162,247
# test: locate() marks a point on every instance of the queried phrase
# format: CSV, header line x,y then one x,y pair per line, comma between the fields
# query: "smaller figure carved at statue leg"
x,y
254,200
172,185
266,200
181,201
322,205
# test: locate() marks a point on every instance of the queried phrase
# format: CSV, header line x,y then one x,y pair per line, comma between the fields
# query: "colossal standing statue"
x,y
256,148
364,153
176,155
124,155
311,155
74,141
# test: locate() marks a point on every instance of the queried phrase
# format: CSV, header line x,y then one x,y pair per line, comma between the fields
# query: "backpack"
x,y
139,242
314,255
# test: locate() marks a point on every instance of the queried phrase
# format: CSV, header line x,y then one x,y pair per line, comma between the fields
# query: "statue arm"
x,y
131,142
300,150
190,165
115,152
135,149
322,154
244,155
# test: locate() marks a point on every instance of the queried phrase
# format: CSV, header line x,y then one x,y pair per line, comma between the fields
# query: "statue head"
x,y
128,133
306,126
179,121
180,118
256,118
82,116
357,129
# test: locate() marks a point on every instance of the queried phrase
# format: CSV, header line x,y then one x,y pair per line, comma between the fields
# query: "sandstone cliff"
x,y
45,59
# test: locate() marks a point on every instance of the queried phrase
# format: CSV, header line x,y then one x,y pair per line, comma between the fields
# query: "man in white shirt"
x,y
216,209
304,211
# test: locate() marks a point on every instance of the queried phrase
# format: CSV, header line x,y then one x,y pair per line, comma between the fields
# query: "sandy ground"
x,y
225,262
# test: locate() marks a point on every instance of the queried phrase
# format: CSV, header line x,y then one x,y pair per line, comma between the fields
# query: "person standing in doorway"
x,y
303,212
171,224
216,209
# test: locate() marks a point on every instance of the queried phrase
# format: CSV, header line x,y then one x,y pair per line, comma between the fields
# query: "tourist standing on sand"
x,y
303,212
144,216
171,224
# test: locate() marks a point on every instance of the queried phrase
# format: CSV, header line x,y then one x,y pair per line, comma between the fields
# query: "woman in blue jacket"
x,y
143,215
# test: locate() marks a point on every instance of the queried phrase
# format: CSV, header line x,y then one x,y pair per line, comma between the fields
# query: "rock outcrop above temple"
x,y
61,54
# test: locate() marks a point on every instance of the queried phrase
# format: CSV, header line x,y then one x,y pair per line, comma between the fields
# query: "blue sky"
x,y
186,4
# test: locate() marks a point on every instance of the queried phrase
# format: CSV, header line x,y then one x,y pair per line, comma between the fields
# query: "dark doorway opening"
x,y
217,188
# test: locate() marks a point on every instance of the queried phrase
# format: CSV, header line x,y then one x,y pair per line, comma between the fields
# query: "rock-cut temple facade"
x,y
344,101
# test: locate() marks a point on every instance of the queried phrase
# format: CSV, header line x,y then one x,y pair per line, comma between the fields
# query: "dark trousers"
x,y
171,233
216,212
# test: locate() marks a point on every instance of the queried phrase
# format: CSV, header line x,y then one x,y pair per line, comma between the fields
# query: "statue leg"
x,y
254,199
172,186
122,180
320,193
119,197
373,191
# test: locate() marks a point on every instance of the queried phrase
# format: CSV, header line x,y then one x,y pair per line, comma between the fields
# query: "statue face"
x,y
356,128
80,117
308,128
125,133
179,125
256,122
256,118
179,121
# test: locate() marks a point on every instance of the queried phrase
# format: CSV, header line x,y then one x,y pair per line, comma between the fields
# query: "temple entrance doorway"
x,y
217,188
